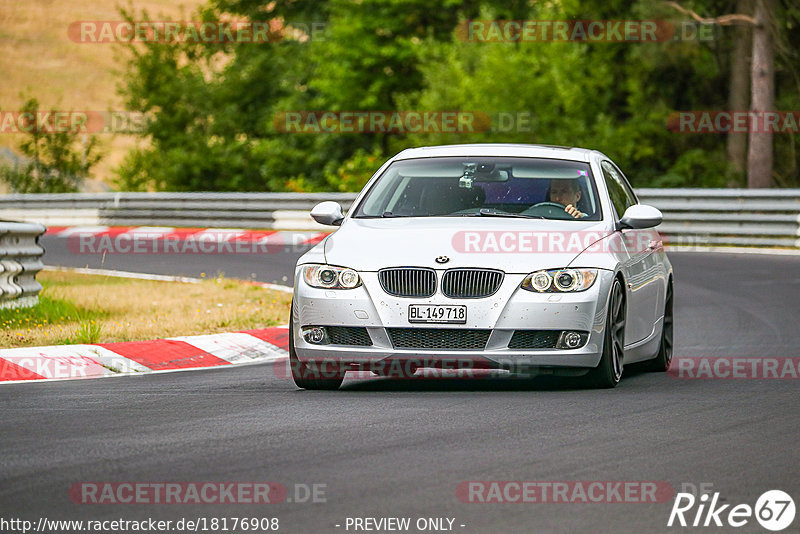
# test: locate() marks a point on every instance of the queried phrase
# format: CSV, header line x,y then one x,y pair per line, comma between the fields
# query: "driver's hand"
x,y
572,210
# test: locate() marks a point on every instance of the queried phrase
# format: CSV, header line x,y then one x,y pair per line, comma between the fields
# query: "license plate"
x,y
437,313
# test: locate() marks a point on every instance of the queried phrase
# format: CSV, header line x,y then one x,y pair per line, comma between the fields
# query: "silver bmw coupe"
x,y
524,258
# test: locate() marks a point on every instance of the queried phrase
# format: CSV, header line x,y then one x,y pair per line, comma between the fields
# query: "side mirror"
x,y
328,212
641,216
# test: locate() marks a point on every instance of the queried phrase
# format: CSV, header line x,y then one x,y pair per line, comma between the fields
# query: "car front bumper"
x,y
509,309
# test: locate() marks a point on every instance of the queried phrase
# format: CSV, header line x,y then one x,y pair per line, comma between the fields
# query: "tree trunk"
x,y
739,89
759,157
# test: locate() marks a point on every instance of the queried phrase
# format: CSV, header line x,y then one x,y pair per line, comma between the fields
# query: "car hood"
x,y
512,245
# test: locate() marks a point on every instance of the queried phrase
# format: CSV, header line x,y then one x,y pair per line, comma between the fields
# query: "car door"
x,y
651,246
636,265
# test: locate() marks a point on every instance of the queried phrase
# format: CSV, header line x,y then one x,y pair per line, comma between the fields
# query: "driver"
x,y
568,193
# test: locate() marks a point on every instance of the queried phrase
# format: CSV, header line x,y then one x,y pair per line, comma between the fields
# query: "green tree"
x,y
214,105
57,162
615,97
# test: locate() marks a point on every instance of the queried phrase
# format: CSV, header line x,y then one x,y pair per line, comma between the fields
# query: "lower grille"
x,y
534,339
348,335
438,338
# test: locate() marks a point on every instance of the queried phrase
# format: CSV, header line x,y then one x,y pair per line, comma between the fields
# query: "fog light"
x,y
315,335
571,340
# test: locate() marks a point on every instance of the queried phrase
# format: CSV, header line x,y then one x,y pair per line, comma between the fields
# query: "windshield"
x,y
484,186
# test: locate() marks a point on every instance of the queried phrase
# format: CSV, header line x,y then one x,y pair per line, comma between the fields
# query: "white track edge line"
x,y
154,277
123,274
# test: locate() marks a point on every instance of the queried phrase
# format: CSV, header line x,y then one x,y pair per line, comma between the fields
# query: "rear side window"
x,y
621,195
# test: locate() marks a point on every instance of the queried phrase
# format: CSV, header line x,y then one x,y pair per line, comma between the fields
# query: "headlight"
x,y
328,277
560,280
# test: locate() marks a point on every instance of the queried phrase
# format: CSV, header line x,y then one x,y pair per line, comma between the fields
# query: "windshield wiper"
x,y
482,213
386,215
490,213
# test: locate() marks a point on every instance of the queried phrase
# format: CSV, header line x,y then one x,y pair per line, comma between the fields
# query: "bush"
x,y
699,168
354,173
54,164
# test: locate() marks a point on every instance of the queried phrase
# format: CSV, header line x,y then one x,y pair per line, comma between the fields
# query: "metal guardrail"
x,y
761,217
208,210
744,217
20,262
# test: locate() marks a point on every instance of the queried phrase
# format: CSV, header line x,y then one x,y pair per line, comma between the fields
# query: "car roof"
x,y
500,150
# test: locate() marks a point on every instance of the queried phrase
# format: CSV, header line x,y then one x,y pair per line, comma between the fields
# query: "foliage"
x,y
215,105
54,163
88,332
354,173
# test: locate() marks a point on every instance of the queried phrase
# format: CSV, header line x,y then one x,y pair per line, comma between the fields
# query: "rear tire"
x,y
663,359
608,372
324,376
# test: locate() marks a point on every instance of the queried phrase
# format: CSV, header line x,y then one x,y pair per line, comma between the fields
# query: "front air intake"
x,y
438,338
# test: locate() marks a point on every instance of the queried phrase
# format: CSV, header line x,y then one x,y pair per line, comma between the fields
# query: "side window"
x,y
619,192
626,184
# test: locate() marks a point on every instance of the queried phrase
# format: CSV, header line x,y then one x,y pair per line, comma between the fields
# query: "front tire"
x,y
325,376
608,372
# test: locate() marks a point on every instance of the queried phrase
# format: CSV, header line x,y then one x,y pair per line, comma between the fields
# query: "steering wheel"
x,y
549,210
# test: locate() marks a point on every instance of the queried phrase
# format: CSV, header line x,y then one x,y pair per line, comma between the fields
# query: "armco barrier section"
x,y
750,217
20,262
277,211
745,217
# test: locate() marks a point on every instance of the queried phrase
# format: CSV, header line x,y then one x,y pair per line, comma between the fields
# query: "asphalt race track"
x,y
400,448
275,268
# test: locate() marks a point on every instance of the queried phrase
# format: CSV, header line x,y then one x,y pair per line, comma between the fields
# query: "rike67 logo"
x,y
774,510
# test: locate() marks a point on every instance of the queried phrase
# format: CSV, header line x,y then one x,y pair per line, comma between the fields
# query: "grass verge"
x,y
80,308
